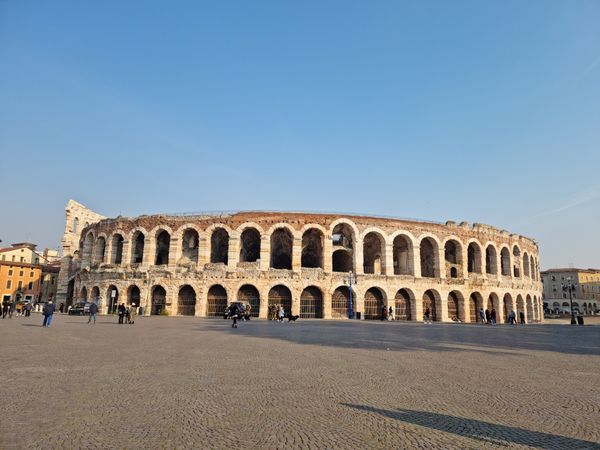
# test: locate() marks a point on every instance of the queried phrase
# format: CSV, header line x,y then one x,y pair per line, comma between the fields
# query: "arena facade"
x,y
197,264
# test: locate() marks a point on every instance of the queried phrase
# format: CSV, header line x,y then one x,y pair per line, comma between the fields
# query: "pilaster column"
x,y
416,261
441,263
359,267
388,268
296,253
265,252
233,252
149,252
203,250
327,254
465,262
126,254
264,303
327,304
296,292
174,251
443,316
418,306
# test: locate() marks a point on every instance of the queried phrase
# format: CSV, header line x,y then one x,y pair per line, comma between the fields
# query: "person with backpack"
x,y
93,312
48,312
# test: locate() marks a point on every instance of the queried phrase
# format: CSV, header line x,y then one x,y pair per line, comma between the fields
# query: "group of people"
x,y
10,307
127,314
387,313
276,312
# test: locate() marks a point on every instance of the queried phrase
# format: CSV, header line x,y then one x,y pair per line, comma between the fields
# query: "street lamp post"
x,y
570,287
351,280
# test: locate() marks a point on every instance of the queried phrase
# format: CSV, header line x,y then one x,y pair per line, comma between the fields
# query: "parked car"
x,y
80,309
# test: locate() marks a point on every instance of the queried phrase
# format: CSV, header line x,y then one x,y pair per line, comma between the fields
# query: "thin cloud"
x,y
590,68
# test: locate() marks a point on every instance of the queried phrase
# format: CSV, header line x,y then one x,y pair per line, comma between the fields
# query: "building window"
x,y
22,259
30,285
3,257
31,274
13,257
20,285
8,284
20,273
10,272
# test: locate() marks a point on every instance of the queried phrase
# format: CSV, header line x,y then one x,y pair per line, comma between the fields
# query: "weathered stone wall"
x,y
473,265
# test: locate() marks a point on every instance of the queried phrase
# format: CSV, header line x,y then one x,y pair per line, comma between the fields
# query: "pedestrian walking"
x,y
390,314
488,316
511,318
121,311
383,312
233,314
132,314
427,315
28,308
61,308
521,317
5,307
482,315
48,312
493,316
281,313
93,312
11,309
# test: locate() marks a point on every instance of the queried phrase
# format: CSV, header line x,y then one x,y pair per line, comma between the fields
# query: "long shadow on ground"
x,y
477,429
396,336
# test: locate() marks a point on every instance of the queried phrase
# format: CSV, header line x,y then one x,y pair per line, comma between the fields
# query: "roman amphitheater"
x,y
315,265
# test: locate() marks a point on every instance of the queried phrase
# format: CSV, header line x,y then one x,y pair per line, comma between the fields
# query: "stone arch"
x,y
250,245
95,294
163,243
219,246
453,258
186,301
505,262
340,301
249,294
138,242
520,307
190,245
532,268
158,300
281,295
282,243
134,296
429,257
529,309
403,309
456,310
508,306
491,260
116,246
432,300
526,272
374,302
402,250
83,293
374,253
112,302
516,261
216,301
493,303
311,303
313,241
99,250
474,257
475,305
343,238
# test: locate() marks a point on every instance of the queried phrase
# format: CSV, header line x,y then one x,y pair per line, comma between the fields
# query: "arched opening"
x,y
219,246
374,304
216,301
529,312
311,303
186,301
516,261
134,297
281,295
137,255
526,272
95,294
428,259
520,307
454,312
117,249
402,309
88,246
491,260
70,292
112,299
340,301
401,250
429,303
163,241
474,258
453,258
249,294
250,245
189,246
312,248
342,261
508,306
83,294
373,254
159,300
532,268
343,248
475,305
493,305
99,250
282,242
505,262
75,225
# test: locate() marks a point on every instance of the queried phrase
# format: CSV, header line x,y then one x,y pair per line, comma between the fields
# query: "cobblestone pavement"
x,y
170,382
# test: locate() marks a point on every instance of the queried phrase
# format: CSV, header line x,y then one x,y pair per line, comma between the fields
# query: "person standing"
x,y
28,308
522,318
121,311
488,316
11,308
493,316
5,307
61,308
390,314
132,314
427,315
233,313
93,312
482,315
48,311
281,313
511,318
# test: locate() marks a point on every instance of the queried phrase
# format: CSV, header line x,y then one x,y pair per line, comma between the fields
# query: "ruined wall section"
x,y
77,217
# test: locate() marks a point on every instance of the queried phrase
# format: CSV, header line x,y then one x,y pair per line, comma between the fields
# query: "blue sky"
x,y
479,111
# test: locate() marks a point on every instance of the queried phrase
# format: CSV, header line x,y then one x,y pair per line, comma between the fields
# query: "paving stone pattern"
x,y
187,382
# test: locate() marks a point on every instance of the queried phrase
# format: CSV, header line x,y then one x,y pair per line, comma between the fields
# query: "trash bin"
x,y
357,315
579,320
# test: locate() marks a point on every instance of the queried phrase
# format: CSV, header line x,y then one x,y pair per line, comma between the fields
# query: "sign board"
x,y
113,293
